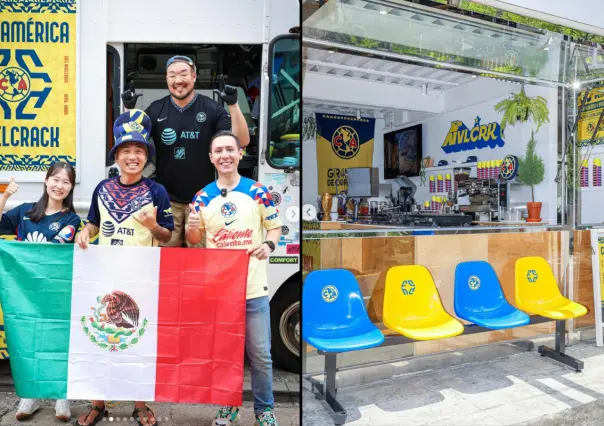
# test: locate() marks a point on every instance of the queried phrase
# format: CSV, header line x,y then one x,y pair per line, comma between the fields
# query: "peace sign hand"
x,y
130,96
227,93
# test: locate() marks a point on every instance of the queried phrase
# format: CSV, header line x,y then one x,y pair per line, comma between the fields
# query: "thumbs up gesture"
x,y
194,220
147,217
10,189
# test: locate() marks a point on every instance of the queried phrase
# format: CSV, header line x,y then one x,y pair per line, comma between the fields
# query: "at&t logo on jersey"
x,y
228,210
108,229
168,136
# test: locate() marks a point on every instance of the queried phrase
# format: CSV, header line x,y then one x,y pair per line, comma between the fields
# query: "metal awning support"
x,y
331,45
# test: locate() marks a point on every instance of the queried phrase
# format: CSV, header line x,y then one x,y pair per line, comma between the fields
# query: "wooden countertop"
x,y
340,225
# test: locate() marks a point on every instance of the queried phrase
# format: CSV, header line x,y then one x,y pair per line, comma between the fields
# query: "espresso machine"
x,y
406,191
479,197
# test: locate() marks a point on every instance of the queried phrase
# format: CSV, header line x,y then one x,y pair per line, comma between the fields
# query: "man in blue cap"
x,y
183,125
145,219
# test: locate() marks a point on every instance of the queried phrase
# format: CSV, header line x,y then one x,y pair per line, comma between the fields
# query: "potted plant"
x,y
519,108
531,172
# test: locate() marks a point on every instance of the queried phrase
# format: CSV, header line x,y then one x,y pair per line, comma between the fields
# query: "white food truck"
x,y
254,44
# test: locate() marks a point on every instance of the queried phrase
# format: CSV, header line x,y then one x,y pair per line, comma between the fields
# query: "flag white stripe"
x,y
96,373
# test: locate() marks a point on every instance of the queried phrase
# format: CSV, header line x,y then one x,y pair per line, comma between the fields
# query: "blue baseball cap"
x,y
132,126
179,58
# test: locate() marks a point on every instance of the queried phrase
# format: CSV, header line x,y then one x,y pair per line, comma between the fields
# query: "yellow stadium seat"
x,y
537,291
412,306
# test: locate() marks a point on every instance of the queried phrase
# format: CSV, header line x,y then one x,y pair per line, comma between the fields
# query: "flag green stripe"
x,y
36,301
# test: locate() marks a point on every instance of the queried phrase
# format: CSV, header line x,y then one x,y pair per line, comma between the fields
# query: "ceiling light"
x,y
577,85
383,12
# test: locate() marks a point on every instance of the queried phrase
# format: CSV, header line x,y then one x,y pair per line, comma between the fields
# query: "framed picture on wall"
x,y
403,152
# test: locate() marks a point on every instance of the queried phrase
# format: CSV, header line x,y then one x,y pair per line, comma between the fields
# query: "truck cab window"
x,y
284,111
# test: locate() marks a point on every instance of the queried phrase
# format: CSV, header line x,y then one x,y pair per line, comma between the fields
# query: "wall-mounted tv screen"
x,y
403,152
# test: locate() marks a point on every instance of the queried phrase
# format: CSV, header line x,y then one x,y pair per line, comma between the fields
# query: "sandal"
x,y
102,413
138,417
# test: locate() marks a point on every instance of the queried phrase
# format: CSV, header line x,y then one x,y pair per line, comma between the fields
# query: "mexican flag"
x,y
125,323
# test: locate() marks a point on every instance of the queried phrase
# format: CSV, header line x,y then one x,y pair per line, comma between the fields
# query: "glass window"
x,y
284,110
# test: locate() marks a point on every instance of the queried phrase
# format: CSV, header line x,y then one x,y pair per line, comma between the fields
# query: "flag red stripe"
x,y
201,326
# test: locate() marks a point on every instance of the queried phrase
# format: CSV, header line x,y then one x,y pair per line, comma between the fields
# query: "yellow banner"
x,y
589,118
37,84
342,142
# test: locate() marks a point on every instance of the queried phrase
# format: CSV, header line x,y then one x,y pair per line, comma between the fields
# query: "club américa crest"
x,y
345,142
114,322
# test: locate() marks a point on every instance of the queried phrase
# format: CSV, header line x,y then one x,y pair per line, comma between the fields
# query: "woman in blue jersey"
x,y
51,219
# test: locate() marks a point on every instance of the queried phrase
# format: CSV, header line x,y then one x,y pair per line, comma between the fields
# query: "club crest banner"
x,y
593,104
342,141
37,84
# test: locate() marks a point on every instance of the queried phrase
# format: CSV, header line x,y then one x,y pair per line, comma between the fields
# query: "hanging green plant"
x,y
520,108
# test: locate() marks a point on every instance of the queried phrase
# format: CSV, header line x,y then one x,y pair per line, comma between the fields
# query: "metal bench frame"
x,y
327,391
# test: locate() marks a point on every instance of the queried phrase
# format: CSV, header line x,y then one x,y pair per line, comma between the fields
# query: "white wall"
x,y
516,138
464,103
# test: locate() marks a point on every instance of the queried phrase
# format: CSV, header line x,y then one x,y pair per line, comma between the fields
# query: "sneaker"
x,y
226,416
266,418
27,407
62,410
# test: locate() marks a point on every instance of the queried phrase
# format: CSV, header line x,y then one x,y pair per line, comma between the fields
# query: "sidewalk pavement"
x,y
286,389
288,414
521,388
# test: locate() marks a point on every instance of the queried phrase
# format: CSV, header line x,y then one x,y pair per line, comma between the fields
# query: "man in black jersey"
x,y
183,125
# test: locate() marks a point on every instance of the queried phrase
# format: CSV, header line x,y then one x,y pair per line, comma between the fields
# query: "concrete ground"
x,y
288,414
286,389
469,387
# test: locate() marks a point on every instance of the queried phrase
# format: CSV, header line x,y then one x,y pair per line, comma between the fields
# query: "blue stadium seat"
x,y
334,315
480,299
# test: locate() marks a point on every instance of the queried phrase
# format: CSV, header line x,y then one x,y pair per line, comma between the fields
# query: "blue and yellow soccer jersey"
x,y
113,205
238,221
56,228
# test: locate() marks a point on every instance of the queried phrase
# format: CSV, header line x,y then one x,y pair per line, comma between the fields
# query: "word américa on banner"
x,y
125,323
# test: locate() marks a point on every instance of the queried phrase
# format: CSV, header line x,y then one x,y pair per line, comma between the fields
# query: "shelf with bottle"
x,y
591,177
450,167
442,183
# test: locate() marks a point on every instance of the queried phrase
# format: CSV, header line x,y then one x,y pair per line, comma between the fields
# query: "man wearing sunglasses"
x,y
183,125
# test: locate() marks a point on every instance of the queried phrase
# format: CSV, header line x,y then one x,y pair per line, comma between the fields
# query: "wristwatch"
x,y
270,244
